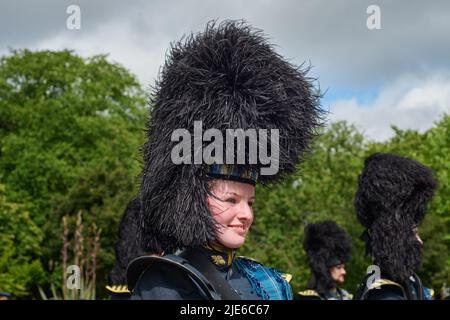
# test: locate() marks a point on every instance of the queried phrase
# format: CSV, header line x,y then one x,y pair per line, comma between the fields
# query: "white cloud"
x,y
142,55
345,54
410,102
331,34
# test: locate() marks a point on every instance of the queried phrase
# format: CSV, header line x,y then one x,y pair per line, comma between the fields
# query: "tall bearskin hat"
x,y
327,245
127,247
227,77
391,200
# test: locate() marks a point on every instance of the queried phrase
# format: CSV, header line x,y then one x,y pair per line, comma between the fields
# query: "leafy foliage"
x,y
20,240
70,129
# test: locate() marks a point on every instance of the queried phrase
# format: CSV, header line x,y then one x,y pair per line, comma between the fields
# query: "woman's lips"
x,y
240,228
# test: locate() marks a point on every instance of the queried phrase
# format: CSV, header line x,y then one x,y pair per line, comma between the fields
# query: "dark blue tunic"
x,y
159,282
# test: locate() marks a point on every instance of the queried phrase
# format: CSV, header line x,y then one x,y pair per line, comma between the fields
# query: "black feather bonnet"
x,y
127,247
391,200
326,245
226,77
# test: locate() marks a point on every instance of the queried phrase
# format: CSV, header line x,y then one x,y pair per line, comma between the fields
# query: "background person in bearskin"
x,y
328,247
127,248
391,201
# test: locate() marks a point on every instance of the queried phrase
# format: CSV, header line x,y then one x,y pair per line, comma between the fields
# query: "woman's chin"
x,y
233,244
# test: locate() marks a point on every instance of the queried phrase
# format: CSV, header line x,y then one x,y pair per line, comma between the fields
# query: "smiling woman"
x,y
226,78
227,276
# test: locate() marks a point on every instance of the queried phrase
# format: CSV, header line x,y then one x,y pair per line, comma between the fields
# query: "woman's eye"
x,y
231,200
250,204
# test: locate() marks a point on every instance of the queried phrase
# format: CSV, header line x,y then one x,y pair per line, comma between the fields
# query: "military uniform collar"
x,y
220,255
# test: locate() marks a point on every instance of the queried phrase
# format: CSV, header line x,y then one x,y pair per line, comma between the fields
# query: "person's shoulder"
x,y
155,283
249,260
384,289
159,281
254,264
117,288
428,293
345,294
118,291
308,295
272,281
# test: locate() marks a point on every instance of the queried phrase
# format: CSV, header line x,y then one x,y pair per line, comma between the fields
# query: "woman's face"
x,y
231,207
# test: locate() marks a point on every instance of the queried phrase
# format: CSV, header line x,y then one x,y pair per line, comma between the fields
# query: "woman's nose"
x,y
245,211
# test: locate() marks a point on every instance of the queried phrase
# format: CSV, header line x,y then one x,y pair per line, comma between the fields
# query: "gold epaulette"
x,y
383,282
287,277
118,289
431,292
309,293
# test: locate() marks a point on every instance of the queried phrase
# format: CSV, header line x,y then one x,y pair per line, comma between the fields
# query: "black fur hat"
x,y
227,77
392,197
327,245
127,247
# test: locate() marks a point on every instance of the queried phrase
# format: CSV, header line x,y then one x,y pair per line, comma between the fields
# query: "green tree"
x,y
70,131
20,248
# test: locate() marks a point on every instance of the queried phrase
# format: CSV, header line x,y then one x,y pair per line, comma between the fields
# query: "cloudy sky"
x,y
397,75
